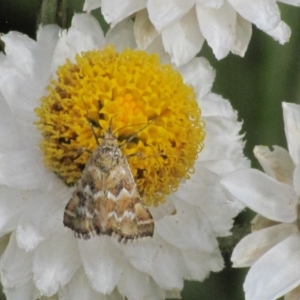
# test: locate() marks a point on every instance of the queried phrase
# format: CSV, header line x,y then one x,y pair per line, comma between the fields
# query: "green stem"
x,y
53,12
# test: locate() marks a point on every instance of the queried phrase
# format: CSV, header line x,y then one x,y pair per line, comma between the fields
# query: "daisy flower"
x,y
56,95
272,250
185,25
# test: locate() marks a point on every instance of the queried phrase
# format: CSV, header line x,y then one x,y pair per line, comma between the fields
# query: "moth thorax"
x,y
107,157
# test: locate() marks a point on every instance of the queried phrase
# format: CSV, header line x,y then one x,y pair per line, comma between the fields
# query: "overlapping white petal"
x,y
54,263
281,264
273,250
277,163
184,24
253,246
42,257
272,199
291,116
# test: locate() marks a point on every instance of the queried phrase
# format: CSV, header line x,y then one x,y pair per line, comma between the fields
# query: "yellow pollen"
x,y
141,99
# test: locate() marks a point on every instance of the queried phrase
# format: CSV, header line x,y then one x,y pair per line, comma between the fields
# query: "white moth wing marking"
x,y
123,193
98,194
82,210
88,190
126,214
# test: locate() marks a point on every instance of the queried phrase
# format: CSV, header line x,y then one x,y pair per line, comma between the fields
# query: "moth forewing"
x,y
106,200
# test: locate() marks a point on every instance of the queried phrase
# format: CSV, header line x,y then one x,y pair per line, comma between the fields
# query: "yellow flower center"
x,y
146,103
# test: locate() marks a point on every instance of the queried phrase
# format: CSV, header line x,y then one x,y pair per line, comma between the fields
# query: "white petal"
x,y
164,13
78,288
12,203
272,199
167,267
208,261
224,166
213,105
144,31
89,5
42,216
259,222
291,116
8,128
157,48
12,275
14,87
114,295
275,273
124,9
38,55
297,180
164,209
210,3
20,51
263,13
243,35
157,258
24,169
55,262
222,140
199,74
22,102
254,245
28,237
47,38
85,34
142,254
188,218
136,285
281,33
25,292
183,39
103,266
277,163
213,201
121,36
218,26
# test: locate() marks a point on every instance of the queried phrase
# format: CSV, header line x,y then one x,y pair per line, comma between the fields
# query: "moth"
x,y
106,199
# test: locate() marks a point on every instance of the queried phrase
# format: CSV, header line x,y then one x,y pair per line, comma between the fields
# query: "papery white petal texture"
x,y
185,24
291,116
277,163
272,250
253,246
285,273
272,199
42,257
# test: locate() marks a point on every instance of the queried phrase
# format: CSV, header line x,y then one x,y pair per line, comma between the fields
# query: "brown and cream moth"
x,y
106,199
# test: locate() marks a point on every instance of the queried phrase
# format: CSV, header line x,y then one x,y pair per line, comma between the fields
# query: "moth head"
x,y
107,155
109,138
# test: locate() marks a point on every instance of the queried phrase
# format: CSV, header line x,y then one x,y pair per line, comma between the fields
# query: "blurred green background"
x,y
256,85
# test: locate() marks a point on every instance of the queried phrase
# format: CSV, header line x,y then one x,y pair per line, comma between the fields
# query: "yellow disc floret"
x,y
150,109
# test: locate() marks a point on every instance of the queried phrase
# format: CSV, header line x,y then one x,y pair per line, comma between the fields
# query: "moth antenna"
x,y
131,125
88,119
110,121
135,134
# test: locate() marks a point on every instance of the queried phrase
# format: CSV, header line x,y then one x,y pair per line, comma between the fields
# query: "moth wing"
x,y
126,214
84,213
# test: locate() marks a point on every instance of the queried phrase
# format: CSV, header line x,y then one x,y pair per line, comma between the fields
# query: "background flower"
x,y
272,250
185,25
52,260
